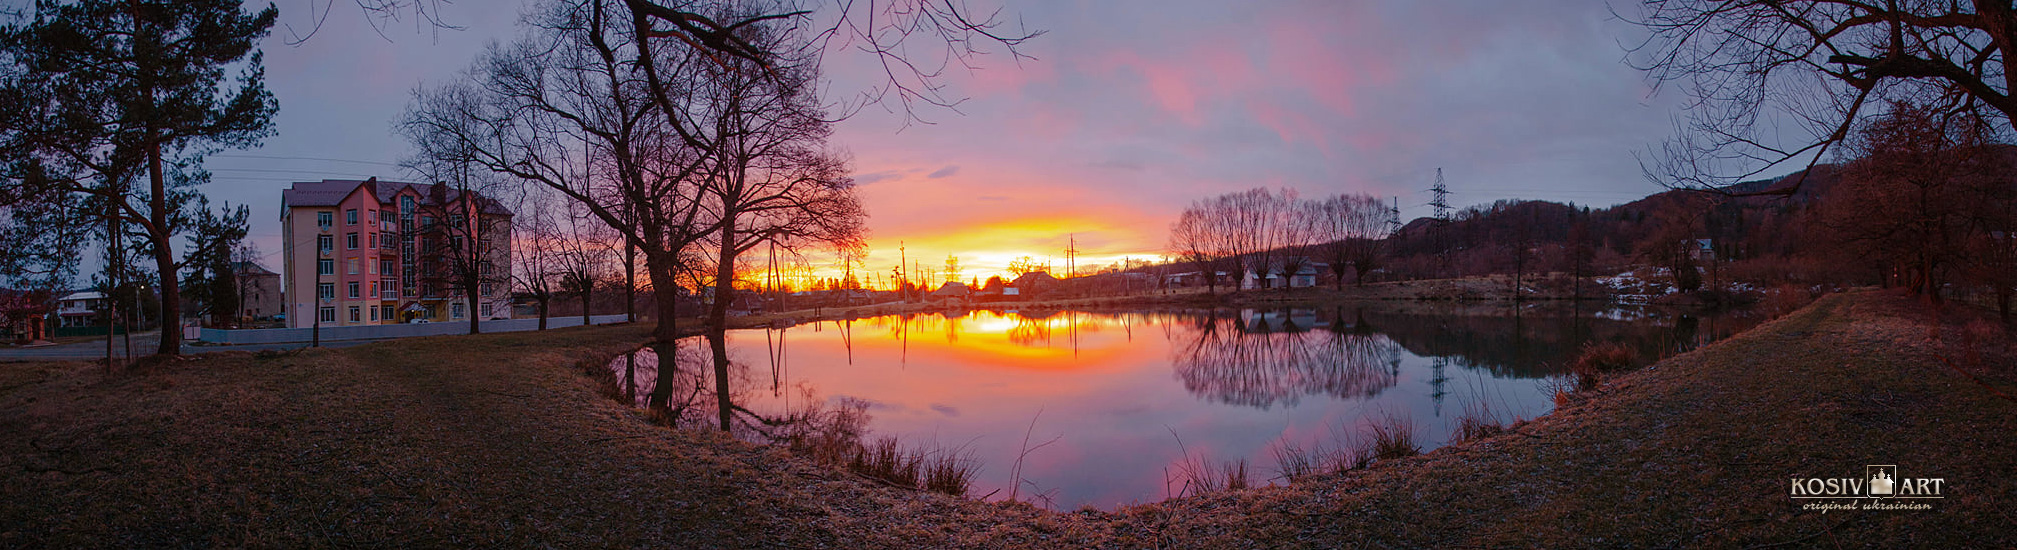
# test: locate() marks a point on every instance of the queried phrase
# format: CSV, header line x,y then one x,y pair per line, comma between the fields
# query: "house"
x,y
954,292
1700,249
81,309
24,314
1275,274
1033,284
259,295
378,252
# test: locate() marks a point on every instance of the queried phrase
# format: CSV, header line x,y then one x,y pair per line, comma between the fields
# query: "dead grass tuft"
x,y
1393,437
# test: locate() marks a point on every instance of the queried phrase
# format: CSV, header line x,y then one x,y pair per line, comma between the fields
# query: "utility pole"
x,y
1071,256
1440,234
1394,218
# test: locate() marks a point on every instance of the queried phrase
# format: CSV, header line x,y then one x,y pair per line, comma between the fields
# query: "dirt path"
x,y
506,444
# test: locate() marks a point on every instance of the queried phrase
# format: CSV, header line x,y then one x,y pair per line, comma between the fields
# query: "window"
x,y
385,267
374,314
374,217
385,312
487,308
322,218
455,310
325,243
350,217
352,264
325,267
353,289
350,241
325,291
355,315
427,222
372,241
326,314
374,289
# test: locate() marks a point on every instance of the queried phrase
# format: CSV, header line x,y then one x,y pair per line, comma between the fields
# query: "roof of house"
x,y
1034,278
951,289
332,192
250,268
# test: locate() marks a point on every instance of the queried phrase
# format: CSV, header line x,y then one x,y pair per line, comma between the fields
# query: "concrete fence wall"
x,y
376,332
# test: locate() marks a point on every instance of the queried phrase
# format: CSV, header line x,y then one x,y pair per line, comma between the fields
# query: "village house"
x,y
371,252
80,309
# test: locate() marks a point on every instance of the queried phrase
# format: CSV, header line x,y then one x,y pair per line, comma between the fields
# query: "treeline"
x,y
1272,236
1921,200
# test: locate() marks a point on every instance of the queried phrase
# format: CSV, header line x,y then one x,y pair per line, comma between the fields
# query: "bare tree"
x,y
537,252
1352,228
1193,239
567,108
1749,66
587,248
772,179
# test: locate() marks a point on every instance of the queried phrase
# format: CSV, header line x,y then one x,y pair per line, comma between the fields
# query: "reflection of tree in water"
x,y
686,395
1030,332
1273,358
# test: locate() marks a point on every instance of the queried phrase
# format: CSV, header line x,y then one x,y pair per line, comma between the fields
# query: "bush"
x,y
1605,357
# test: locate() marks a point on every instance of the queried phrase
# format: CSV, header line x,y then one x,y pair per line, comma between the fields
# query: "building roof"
x,y
332,192
250,268
954,289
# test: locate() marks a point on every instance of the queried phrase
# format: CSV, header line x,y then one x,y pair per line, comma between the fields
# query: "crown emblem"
x,y
1881,484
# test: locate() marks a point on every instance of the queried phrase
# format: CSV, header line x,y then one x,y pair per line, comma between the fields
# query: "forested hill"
x,y
1489,238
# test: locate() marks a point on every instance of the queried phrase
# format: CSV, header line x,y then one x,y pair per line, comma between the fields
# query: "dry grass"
x,y
1477,421
1393,437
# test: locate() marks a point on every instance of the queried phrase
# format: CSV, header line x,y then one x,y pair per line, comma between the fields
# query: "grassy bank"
x,y
497,440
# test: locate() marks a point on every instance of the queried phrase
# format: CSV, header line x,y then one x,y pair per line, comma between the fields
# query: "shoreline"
x,y
386,443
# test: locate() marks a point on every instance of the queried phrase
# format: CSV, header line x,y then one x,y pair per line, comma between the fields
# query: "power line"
x,y
279,157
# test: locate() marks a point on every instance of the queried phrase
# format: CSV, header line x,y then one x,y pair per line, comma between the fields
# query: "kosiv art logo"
x,y
1879,488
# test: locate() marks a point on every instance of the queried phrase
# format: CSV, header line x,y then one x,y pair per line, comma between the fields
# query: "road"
x,y
143,344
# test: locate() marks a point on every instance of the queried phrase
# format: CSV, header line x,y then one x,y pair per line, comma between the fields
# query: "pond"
x,y
1074,409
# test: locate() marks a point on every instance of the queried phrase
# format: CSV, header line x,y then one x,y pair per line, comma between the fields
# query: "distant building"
x,y
375,252
1701,249
950,292
259,295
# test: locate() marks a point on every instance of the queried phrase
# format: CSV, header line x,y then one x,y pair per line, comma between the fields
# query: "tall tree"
x,y
123,90
773,179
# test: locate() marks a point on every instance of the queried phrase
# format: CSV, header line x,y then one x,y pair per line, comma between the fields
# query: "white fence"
x,y
379,332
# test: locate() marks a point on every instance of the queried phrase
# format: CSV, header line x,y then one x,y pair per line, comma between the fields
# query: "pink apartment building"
x,y
376,252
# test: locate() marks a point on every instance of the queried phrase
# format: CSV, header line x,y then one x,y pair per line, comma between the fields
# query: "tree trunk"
x,y
542,313
717,342
665,293
470,286
164,251
724,280
586,297
629,281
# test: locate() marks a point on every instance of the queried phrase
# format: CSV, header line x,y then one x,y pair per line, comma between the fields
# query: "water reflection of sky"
x,y
1121,397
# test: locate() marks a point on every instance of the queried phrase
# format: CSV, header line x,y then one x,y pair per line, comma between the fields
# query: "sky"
x,y
1129,111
